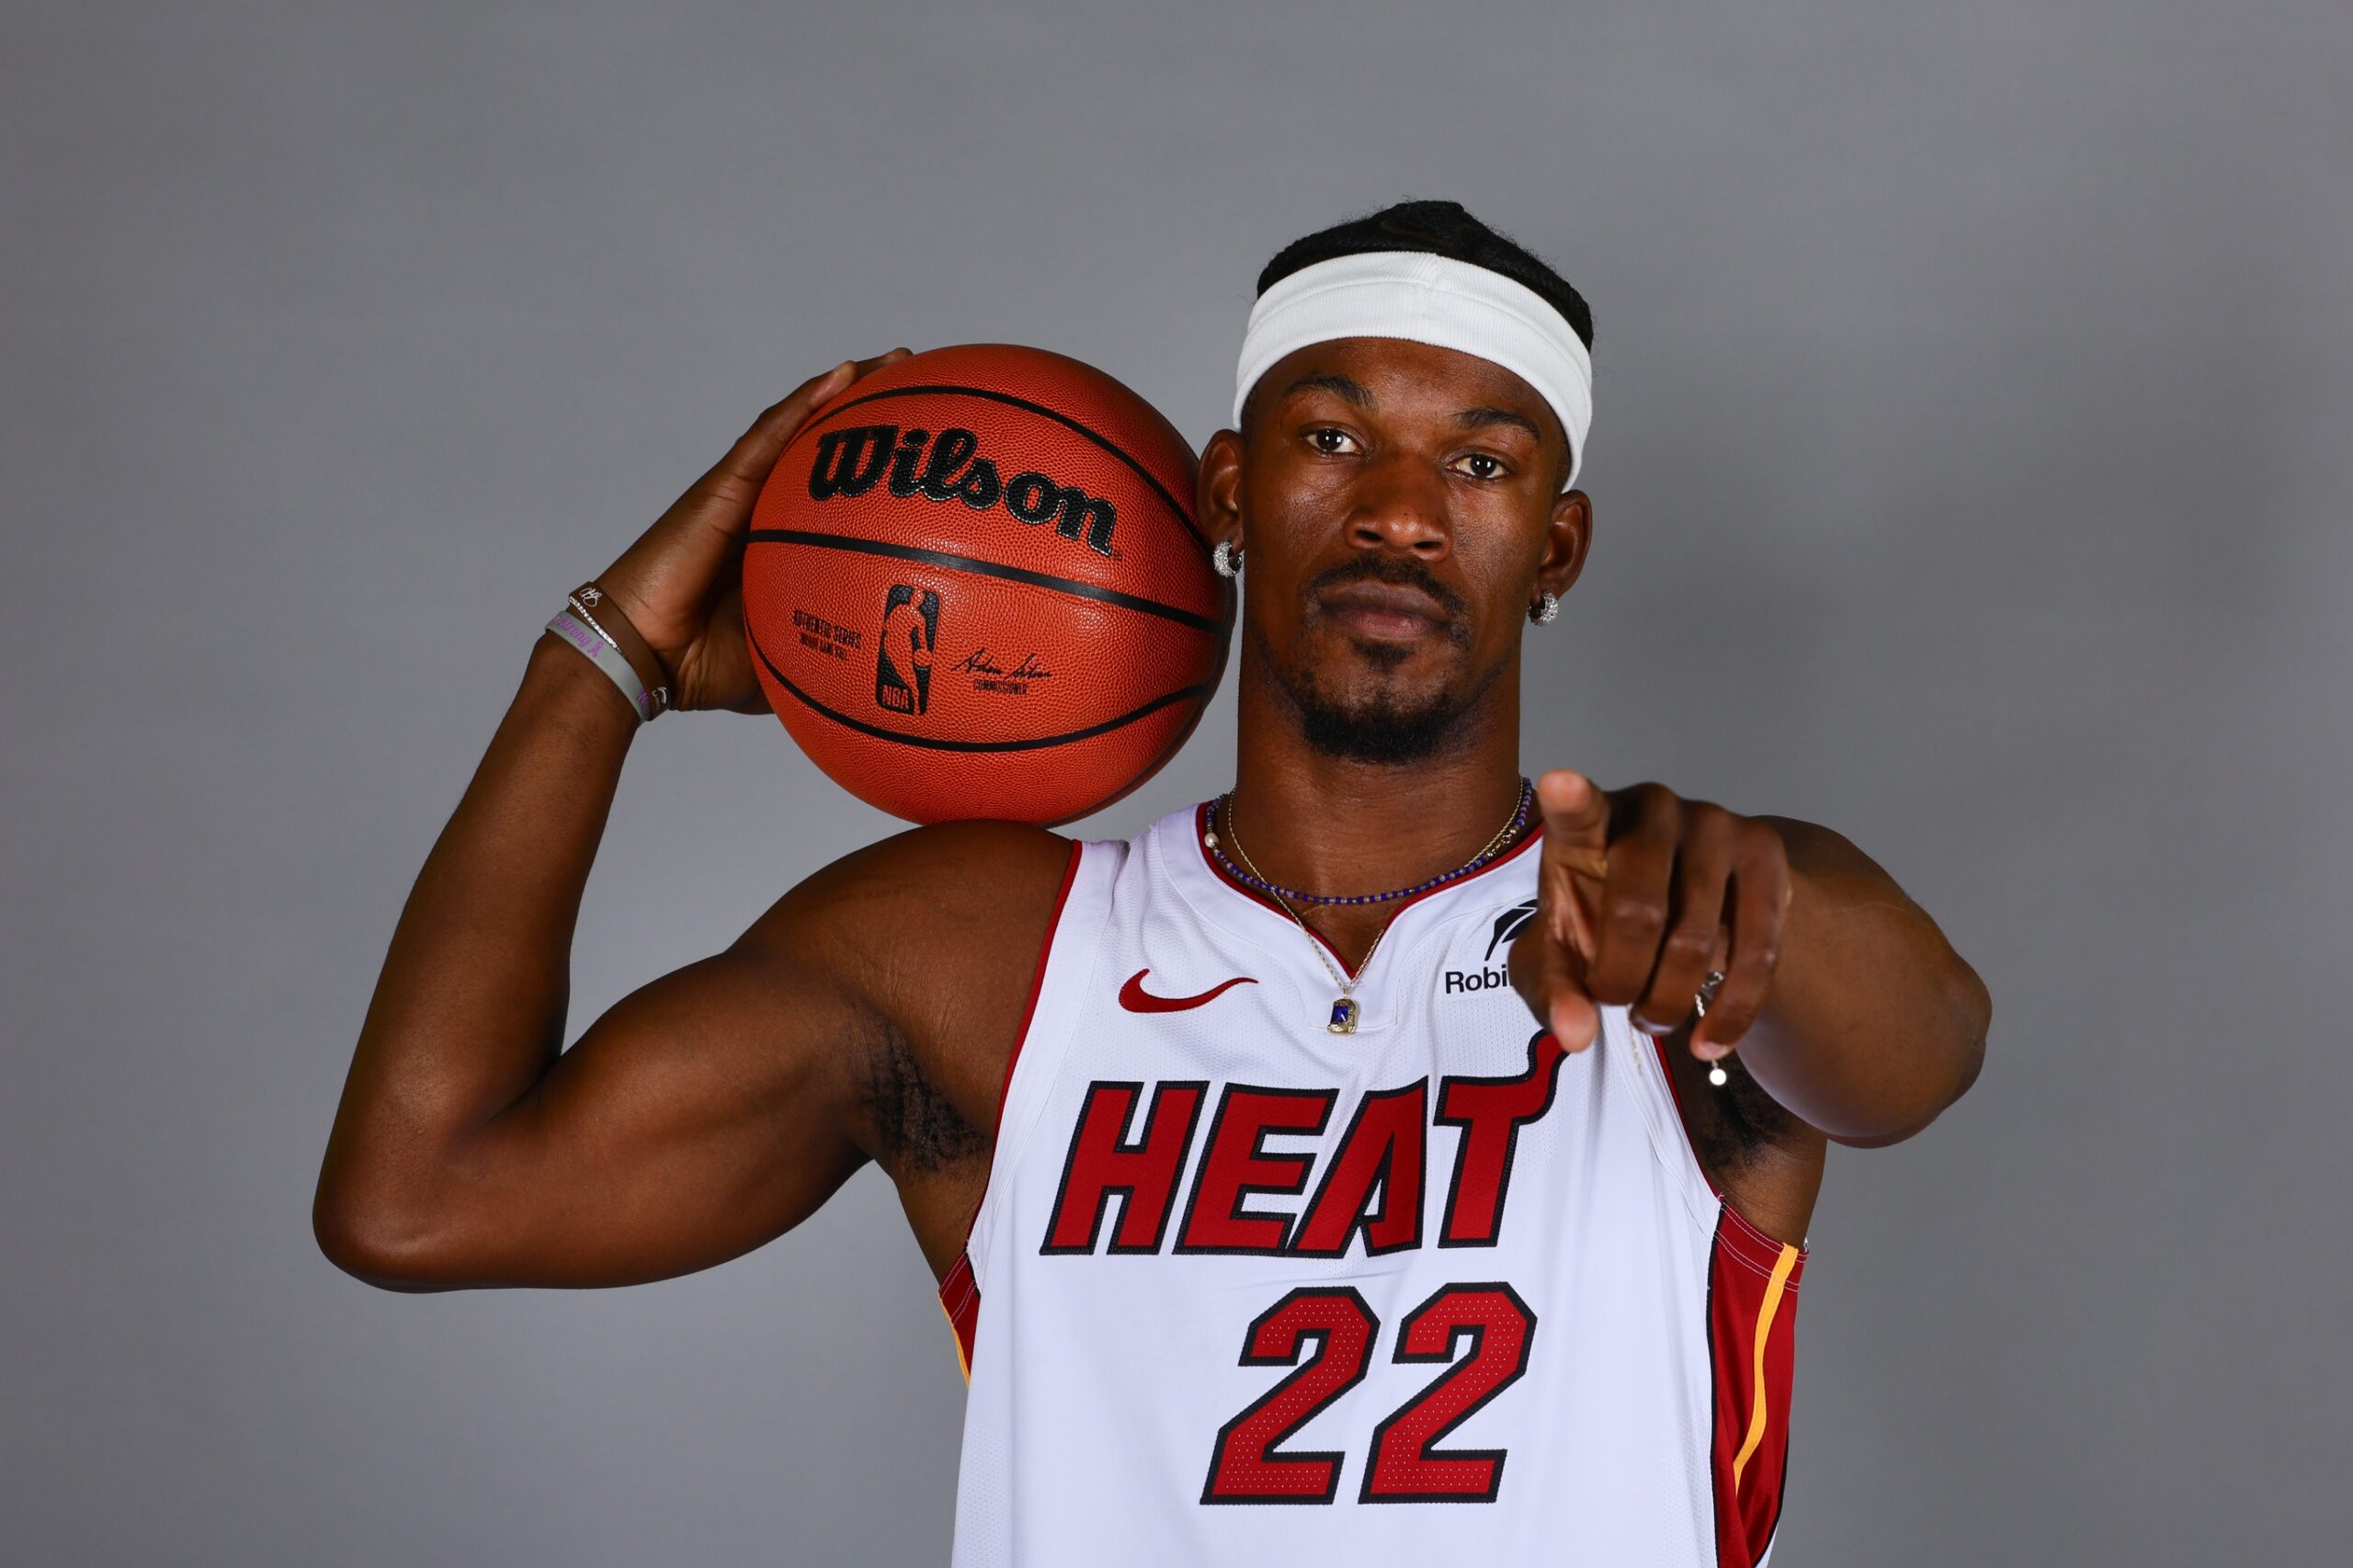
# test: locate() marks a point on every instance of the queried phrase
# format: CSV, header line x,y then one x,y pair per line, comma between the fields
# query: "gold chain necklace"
x,y
1345,1010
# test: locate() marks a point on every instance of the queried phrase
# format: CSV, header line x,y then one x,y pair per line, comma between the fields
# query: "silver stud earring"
x,y
1545,613
1226,559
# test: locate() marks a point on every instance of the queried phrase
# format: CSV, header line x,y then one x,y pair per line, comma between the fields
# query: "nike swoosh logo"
x,y
1136,999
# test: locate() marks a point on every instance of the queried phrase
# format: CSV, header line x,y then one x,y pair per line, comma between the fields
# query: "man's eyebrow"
x,y
1477,418
1342,387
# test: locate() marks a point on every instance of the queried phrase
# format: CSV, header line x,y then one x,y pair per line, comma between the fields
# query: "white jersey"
x,y
1243,1290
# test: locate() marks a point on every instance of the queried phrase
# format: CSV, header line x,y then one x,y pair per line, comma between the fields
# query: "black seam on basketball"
x,y
1176,742
880,733
1192,529
987,569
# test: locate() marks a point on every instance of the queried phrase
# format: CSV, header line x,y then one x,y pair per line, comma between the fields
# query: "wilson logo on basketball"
x,y
948,468
910,631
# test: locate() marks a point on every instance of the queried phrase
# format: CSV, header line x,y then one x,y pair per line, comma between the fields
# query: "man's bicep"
x,y
698,1118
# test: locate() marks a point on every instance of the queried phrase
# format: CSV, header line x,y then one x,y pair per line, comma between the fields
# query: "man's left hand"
x,y
1643,894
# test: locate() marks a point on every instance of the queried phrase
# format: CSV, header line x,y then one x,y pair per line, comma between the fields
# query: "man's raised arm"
x,y
719,1105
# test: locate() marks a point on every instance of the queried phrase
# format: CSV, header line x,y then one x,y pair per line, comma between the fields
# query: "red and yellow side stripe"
x,y
959,1297
1752,1318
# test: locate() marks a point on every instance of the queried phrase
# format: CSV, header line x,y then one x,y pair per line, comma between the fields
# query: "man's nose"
x,y
1402,506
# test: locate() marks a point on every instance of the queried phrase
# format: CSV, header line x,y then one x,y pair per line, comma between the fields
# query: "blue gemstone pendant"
x,y
1344,1017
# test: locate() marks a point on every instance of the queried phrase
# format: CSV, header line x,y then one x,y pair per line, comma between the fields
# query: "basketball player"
x,y
1385,1162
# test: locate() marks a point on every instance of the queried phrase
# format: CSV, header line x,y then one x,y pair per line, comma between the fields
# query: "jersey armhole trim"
x,y
1767,1247
1682,1126
1028,1017
1660,1100
1037,985
959,1293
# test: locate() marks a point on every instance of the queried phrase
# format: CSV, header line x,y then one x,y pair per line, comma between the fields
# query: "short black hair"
x,y
1437,228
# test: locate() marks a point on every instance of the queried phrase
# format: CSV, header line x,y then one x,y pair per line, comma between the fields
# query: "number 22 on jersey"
x,y
1403,1463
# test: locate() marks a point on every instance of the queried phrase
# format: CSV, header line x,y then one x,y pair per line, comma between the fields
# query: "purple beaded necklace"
x,y
1222,809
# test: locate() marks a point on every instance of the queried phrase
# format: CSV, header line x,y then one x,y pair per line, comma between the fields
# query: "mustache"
x,y
1397,571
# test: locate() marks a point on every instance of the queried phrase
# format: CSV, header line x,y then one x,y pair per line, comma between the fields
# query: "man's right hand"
x,y
681,583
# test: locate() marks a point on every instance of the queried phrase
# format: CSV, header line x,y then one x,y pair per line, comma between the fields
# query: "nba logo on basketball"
x,y
911,628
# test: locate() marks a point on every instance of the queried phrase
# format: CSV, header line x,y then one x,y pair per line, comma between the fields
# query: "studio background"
x,y
1973,391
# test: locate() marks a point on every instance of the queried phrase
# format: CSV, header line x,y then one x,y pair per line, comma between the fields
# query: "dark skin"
x,y
1399,510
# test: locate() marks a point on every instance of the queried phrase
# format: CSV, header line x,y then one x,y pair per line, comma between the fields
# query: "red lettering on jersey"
x,y
1407,1465
1235,1166
1143,1173
1245,1466
1381,1149
1491,1111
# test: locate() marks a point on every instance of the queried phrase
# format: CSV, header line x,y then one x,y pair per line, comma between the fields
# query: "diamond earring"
x,y
1226,559
1545,613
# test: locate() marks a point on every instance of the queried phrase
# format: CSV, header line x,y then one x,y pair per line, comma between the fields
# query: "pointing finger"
x,y
1576,812
1549,977
1575,863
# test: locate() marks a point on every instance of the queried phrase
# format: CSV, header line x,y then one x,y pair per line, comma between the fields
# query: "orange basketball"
x,y
976,588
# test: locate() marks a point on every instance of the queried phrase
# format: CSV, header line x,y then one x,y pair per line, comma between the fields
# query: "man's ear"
x,y
1567,538
1216,489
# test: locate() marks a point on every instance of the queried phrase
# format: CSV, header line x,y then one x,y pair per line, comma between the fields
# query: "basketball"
x,y
974,587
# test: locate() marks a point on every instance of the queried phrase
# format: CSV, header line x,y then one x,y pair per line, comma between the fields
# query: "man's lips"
x,y
1385,611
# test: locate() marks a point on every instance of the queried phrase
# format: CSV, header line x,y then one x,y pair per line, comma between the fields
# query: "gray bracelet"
x,y
601,652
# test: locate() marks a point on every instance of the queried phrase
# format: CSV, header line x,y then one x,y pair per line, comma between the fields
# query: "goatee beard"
x,y
1380,731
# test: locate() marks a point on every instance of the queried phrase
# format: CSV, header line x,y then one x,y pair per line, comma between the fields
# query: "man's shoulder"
x,y
978,852
989,857
938,907
950,888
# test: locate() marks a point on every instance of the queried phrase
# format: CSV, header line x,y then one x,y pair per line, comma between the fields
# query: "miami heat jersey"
x,y
1243,1291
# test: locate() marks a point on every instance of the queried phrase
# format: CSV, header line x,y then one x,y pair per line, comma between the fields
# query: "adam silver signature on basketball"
x,y
1399,1158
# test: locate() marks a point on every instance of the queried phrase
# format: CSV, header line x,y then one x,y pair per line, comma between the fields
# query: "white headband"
x,y
1425,299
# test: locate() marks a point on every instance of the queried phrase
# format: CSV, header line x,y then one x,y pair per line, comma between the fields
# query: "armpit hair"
x,y
915,1126
1740,1120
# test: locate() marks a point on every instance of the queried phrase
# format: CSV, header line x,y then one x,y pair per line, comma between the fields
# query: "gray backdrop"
x,y
1973,385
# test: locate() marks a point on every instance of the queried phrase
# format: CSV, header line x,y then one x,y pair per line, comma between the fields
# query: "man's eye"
x,y
1482,466
1330,442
